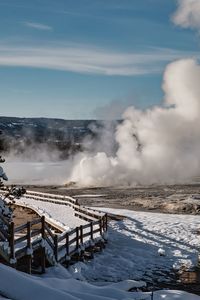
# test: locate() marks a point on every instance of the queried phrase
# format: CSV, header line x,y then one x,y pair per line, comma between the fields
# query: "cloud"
x,y
88,60
37,26
187,14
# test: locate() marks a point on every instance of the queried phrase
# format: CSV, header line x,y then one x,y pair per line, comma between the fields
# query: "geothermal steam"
x,y
158,145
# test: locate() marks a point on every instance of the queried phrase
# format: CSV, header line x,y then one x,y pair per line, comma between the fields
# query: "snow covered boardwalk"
x,y
81,231
61,214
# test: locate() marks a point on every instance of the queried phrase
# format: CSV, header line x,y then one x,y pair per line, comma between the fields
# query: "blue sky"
x,y
68,58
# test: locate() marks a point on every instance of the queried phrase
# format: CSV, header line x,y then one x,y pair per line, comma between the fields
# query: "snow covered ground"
x,y
59,285
137,244
142,247
62,214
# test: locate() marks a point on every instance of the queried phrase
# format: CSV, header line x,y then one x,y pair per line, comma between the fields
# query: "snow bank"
x,y
22,286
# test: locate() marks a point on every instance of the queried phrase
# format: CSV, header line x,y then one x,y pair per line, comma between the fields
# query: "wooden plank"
x,y
51,195
49,242
35,232
72,231
84,216
49,231
36,221
20,228
72,241
61,237
21,239
86,226
53,200
86,234
96,230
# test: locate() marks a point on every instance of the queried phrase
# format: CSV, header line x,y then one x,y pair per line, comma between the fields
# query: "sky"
x,y
74,59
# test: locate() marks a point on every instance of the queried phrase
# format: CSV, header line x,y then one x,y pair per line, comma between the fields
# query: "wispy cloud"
x,y
89,60
37,26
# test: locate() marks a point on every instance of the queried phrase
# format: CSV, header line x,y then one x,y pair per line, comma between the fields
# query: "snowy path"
x,y
132,251
62,214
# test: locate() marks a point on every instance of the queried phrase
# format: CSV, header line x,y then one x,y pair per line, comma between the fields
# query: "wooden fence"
x,y
22,241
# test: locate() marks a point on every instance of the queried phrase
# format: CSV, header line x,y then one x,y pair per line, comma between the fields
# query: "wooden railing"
x,y
62,247
80,211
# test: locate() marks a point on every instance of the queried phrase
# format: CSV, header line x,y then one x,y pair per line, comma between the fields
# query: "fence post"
x,y
100,226
43,256
67,249
81,234
67,244
56,247
91,231
77,238
29,254
103,219
106,221
43,227
12,242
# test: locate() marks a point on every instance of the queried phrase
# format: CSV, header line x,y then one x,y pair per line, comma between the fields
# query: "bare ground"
x,y
162,198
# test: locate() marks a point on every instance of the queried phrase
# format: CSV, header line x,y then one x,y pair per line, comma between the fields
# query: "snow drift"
x,y
22,287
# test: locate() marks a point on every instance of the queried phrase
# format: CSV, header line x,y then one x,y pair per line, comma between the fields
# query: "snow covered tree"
x,y
17,192
4,208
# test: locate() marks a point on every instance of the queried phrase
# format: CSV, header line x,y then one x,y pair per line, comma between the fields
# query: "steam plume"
x,y
158,145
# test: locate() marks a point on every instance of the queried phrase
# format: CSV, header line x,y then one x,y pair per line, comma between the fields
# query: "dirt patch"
x,y
22,215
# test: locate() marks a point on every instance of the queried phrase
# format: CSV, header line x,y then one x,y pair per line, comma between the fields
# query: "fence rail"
x,y
24,239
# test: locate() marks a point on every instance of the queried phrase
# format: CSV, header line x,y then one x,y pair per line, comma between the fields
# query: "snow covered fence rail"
x,y
80,211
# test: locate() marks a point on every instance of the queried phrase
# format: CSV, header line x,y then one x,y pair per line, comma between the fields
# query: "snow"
x,y
61,214
141,247
64,287
89,196
134,244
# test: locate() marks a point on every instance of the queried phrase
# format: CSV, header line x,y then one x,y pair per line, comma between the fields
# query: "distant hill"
x,y
18,127
20,133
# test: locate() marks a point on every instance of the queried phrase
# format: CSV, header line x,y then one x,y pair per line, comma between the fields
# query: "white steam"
x,y
159,145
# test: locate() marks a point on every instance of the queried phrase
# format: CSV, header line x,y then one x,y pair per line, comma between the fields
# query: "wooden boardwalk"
x,y
43,243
